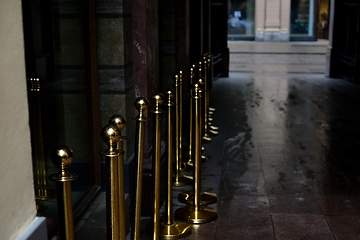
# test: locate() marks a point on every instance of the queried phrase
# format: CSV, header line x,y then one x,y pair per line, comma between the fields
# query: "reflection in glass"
x,y
302,17
241,18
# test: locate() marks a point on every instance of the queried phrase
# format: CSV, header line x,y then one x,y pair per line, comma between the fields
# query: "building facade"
x,y
278,20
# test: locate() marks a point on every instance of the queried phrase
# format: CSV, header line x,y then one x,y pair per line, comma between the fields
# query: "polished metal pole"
x,y
141,104
62,157
119,121
171,229
110,134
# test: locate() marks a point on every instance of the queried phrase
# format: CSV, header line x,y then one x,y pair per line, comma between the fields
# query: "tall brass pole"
x,y
141,104
110,134
202,103
205,198
62,157
119,121
196,213
192,76
180,119
158,100
171,229
179,179
211,73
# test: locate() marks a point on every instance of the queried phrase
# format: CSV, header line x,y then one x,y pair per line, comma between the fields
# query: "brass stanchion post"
x,y
179,180
110,134
171,229
205,198
208,57
192,76
158,100
196,213
119,121
141,104
62,157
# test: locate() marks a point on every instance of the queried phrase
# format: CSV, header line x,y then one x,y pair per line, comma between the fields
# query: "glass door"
x,y
62,106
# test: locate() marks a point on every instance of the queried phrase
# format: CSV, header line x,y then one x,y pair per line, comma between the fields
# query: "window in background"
x,y
241,19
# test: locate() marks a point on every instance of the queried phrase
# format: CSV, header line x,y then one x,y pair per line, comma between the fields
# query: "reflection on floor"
x,y
285,163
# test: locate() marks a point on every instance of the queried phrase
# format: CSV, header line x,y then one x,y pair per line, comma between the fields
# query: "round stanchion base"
x,y
182,181
203,160
176,230
202,215
212,109
206,139
214,128
206,198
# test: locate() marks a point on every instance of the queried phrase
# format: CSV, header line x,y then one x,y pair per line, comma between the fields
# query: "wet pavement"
x,y
285,164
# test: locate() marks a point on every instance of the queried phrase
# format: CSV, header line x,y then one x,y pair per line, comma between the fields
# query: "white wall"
x,y
17,201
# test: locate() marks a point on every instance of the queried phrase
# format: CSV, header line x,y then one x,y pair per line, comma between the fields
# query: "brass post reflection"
x,y
119,121
171,229
158,100
141,104
110,134
62,157
179,179
39,164
196,213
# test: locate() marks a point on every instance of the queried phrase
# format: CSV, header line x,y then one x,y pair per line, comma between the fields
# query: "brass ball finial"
x,y
141,104
170,95
158,100
118,120
110,134
62,157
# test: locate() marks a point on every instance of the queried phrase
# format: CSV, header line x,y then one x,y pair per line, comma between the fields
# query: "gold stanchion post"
x,y
158,100
110,134
62,157
208,57
191,147
179,179
171,229
205,198
119,121
196,213
141,104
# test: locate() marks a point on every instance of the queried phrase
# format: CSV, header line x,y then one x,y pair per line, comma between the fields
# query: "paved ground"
x,y
285,163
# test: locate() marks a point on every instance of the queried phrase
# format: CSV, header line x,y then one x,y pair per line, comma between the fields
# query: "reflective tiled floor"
x,y
285,164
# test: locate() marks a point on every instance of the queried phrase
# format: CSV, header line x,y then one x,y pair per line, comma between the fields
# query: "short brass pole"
x,y
62,157
141,104
110,134
196,213
119,121
179,179
171,229
158,100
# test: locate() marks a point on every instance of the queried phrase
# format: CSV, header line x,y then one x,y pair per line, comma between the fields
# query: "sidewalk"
x,y
283,57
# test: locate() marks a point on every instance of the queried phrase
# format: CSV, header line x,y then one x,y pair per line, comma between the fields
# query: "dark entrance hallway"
x,y
285,163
